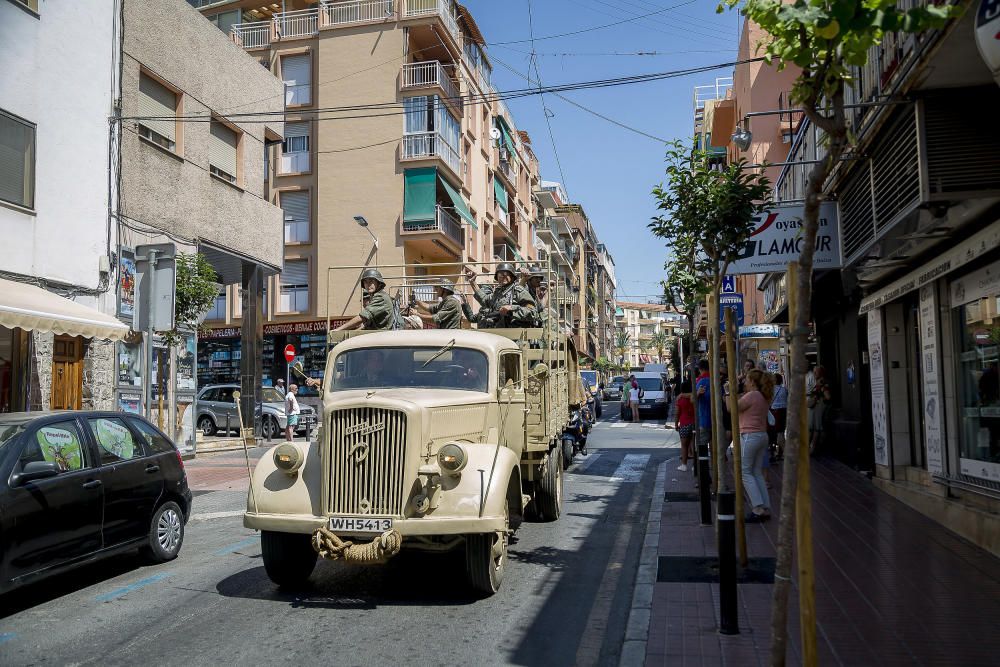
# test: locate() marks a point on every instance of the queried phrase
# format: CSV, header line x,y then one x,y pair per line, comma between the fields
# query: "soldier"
x,y
447,312
537,287
506,304
381,312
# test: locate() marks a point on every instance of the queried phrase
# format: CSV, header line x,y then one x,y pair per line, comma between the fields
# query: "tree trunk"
x,y
718,425
836,129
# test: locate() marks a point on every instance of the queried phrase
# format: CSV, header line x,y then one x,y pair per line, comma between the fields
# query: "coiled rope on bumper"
x,y
331,547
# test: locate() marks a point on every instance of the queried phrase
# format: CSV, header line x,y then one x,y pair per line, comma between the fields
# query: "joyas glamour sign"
x,y
778,237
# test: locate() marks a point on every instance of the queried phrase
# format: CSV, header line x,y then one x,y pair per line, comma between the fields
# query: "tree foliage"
x,y
197,287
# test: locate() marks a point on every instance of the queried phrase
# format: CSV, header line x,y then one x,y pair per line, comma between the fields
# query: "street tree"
x,y
623,343
827,40
708,216
659,341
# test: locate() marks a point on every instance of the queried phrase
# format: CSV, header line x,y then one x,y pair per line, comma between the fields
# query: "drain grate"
x,y
681,497
705,570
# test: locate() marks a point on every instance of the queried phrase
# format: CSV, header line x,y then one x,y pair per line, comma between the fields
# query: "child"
x,y
684,424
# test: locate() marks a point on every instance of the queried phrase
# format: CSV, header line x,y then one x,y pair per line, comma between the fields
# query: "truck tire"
x,y
567,453
548,497
289,558
486,557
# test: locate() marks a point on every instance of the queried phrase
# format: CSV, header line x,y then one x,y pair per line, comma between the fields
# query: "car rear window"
x,y
157,442
115,441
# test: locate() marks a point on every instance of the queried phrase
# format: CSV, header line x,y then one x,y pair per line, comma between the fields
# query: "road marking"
x,y
233,548
125,590
631,468
619,425
589,461
7,636
216,515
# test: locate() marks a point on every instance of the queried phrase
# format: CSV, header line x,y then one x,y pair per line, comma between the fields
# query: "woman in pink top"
x,y
754,406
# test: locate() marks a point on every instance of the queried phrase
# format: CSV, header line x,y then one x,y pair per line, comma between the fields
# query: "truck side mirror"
x,y
540,371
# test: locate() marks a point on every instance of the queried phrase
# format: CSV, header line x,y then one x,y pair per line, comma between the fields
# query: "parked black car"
x,y
81,485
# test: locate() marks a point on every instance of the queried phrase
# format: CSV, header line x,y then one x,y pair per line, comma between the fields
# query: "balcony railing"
x,y
445,221
431,144
442,8
509,170
431,73
307,22
357,11
252,35
299,23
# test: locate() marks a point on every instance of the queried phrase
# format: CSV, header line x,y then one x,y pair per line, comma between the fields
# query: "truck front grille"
x,y
367,457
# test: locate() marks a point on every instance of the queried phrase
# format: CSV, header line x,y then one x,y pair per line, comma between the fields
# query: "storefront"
x,y
15,375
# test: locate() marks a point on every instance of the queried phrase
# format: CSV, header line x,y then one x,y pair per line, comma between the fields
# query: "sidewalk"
x,y
892,587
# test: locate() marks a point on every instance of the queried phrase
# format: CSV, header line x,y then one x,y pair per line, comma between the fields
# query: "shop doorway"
x,y
67,373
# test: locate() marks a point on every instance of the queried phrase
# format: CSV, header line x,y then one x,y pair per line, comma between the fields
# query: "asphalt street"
x,y
564,601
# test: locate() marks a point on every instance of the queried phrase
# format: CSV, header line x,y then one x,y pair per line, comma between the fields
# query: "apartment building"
x,y
559,252
646,324
434,176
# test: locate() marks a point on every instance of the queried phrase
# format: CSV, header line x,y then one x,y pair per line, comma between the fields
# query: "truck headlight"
x,y
288,458
452,458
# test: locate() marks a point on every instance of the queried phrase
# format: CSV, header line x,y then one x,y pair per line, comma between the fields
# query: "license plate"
x,y
356,524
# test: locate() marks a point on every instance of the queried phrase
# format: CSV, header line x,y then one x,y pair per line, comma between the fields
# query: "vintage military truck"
x,y
430,439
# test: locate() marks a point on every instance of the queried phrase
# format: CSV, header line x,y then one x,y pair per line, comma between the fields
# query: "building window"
x,y
295,148
218,310
158,108
222,151
295,207
294,278
17,161
296,72
30,4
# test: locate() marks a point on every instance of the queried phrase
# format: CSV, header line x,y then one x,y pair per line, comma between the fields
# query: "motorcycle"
x,y
574,436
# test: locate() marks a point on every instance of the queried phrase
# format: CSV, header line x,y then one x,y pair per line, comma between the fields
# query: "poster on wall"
x,y
876,356
933,432
130,403
770,360
126,283
129,364
186,357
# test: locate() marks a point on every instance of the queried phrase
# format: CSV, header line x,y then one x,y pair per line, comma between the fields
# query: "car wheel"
x,y
550,487
270,427
289,558
599,409
206,426
486,557
567,453
166,533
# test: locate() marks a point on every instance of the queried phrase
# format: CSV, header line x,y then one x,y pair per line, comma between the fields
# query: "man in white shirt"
x,y
291,411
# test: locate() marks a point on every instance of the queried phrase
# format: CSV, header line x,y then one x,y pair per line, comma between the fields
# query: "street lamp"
x,y
360,219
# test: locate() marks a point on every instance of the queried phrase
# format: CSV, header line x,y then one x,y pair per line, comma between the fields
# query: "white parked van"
x,y
655,395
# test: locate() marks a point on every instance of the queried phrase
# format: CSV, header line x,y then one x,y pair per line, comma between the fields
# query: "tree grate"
x,y
681,497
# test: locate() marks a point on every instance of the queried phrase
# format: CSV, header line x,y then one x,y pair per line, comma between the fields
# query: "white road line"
x,y
631,468
589,461
619,425
205,516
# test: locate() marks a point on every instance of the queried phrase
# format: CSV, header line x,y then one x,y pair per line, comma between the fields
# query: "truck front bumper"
x,y
424,526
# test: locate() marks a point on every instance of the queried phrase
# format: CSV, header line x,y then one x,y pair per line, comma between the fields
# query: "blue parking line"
x,y
7,636
125,590
232,548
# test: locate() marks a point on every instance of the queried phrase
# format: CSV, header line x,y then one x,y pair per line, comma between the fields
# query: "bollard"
x,y
704,485
228,431
728,608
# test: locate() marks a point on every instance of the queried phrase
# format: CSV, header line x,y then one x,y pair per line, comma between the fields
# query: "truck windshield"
x,y
590,376
650,384
390,367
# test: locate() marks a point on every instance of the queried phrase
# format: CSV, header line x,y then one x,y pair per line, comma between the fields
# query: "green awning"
x,y
517,255
419,194
506,133
501,193
460,205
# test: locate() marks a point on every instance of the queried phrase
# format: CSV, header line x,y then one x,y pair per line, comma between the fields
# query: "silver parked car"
x,y
215,404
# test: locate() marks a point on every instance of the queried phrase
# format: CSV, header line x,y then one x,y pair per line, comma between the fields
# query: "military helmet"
x,y
536,271
505,266
446,285
375,275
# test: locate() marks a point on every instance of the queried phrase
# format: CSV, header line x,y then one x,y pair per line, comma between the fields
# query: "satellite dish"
x,y
494,133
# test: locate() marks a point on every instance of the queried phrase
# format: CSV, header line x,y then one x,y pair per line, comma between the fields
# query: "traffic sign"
x,y
729,284
734,301
289,353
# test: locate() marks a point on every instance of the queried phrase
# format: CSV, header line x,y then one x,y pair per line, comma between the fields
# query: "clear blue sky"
x,y
609,170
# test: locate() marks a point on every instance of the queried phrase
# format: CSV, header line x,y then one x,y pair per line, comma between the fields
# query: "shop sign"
x,y
732,302
876,356
292,328
931,373
968,251
760,331
988,34
126,283
777,240
221,332
977,285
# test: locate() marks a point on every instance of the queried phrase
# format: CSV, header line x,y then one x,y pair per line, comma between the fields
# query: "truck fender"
x,y
504,486
275,491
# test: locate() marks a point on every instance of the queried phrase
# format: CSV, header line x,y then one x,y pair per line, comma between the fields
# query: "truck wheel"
x,y
486,557
567,453
289,558
550,488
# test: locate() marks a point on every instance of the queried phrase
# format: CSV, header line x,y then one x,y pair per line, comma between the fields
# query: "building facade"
x,y
646,324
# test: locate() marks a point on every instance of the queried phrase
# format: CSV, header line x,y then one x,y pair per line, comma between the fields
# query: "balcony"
x,y
446,223
441,8
424,145
307,22
508,169
432,74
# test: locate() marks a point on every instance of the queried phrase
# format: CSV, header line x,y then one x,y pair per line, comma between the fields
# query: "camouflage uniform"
x,y
447,312
492,299
380,313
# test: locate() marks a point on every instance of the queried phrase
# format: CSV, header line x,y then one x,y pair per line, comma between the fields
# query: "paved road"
x,y
564,601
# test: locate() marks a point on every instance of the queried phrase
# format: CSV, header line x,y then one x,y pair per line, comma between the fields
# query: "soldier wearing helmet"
x,y
506,304
446,313
380,312
534,280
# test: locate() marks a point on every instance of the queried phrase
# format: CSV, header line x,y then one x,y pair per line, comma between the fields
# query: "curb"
x,y
637,631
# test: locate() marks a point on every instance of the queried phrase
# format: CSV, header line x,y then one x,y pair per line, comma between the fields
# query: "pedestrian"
x,y
754,406
292,411
633,398
779,411
280,386
703,391
380,312
684,424
817,401
446,313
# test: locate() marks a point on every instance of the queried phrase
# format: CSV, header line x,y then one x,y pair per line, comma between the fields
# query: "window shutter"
x,y
155,99
222,148
296,272
295,206
295,70
16,179
296,138
296,130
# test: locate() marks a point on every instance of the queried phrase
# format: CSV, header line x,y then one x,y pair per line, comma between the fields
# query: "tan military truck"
x,y
430,439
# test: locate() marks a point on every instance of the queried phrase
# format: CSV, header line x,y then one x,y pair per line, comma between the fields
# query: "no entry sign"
x,y
289,353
